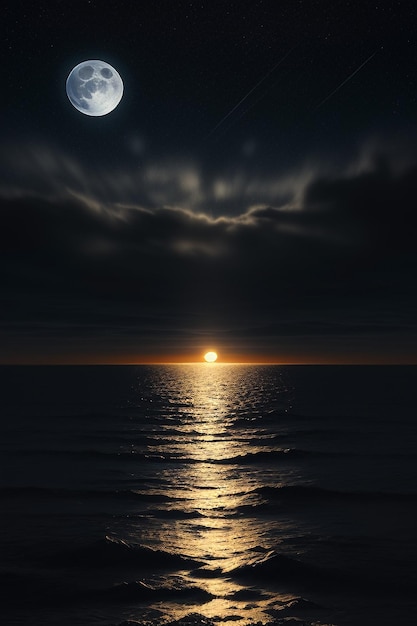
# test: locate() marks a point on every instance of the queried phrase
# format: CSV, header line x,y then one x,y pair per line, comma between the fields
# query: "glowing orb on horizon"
x,y
94,88
210,357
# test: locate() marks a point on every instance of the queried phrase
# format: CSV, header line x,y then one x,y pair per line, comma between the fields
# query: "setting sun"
x,y
210,357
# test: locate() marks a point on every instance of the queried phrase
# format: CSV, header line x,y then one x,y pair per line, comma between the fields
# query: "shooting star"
x,y
271,71
345,81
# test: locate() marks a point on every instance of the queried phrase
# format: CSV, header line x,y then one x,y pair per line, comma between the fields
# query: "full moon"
x,y
94,88
210,357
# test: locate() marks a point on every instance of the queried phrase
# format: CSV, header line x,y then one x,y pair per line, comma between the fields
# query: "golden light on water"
x,y
210,357
212,491
207,429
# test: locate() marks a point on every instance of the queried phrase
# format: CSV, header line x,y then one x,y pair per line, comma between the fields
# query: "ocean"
x,y
205,493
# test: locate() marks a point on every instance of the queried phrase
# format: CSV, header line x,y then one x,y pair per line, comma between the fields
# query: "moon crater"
x,y
85,72
94,88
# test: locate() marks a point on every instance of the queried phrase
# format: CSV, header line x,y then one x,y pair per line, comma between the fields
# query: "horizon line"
x,y
110,363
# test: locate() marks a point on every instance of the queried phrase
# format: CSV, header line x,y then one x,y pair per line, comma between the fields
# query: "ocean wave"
x,y
265,438
140,591
268,495
111,551
255,418
30,589
173,514
279,618
273,499
247,595
275,567
133,455
107,455
80,494
311,493
269,456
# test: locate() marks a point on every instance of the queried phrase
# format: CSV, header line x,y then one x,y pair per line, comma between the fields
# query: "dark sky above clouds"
x,y
254,192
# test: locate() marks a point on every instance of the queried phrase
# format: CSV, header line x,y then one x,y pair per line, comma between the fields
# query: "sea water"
x,y
208,493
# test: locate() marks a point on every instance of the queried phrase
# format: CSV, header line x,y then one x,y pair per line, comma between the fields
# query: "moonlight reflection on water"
x,y
213,416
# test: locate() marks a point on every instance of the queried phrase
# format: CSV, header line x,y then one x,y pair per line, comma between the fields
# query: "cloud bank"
x,y
314,259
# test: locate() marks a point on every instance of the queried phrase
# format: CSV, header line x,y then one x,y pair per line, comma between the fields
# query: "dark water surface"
x,y
208,493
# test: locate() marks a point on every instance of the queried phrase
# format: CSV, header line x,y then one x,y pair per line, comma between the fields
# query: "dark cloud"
x,y
377,205
338,261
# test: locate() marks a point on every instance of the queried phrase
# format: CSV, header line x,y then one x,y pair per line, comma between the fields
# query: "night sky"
x,y
254,192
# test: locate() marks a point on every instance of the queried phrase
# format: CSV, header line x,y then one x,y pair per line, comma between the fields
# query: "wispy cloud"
x,y
81,258
42,169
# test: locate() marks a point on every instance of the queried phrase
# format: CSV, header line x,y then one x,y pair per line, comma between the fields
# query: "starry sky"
x,y
254,191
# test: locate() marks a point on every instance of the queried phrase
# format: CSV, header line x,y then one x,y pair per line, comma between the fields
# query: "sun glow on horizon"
x,y
210,357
